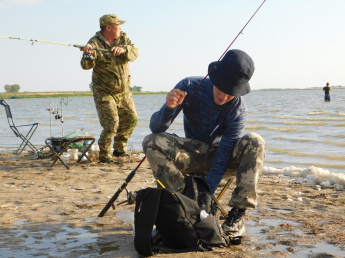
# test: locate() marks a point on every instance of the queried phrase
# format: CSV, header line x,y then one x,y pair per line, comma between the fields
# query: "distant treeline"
x,y
59,94
12,88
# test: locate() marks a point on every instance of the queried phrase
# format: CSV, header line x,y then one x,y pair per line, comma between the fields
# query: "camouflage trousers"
x,y
172,158
118,117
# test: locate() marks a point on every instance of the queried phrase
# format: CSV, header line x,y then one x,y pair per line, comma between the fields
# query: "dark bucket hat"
x,y
232,73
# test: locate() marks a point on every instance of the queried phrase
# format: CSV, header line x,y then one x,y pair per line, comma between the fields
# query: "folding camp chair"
x,y
222,192
25,138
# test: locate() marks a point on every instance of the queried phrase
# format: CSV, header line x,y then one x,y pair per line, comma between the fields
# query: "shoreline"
x,y
52,211
61,94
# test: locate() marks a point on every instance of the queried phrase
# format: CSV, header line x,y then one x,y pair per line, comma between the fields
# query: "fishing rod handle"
x,y
93,48
116,195
112,200
123,186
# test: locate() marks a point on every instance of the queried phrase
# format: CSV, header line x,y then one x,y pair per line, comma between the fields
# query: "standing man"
x,y
110,85
327,91
214,119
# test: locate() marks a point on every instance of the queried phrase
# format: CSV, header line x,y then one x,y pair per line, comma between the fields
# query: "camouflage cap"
x,y
110,19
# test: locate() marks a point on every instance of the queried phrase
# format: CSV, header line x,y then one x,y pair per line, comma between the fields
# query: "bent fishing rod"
x,y
57,43
131,175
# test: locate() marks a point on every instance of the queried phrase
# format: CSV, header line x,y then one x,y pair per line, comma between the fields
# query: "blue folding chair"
x,y
29,134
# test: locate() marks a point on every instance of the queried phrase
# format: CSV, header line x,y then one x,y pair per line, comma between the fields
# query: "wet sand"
x,y
53,212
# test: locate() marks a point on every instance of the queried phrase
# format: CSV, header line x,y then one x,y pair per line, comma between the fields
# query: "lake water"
x,y
299,128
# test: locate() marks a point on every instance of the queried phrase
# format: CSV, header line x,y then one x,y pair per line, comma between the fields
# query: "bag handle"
x,y
146,208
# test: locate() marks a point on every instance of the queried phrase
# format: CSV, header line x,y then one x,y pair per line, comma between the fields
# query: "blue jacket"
x,y
208,122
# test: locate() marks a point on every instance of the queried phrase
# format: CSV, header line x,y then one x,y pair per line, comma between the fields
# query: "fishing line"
x,y
317,68
241,31
131,175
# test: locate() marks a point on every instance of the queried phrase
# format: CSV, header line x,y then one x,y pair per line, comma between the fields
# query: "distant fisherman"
x,y
110,85
327,91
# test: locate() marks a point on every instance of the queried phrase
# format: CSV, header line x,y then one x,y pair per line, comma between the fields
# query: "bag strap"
x,y
146,208
198,190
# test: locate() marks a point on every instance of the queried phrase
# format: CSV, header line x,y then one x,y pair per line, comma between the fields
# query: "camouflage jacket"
x,y
110,73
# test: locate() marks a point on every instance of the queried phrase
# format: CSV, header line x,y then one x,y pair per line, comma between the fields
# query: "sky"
x,y
294,44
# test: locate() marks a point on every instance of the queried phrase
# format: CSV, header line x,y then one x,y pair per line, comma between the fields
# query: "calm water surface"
x,y
299,128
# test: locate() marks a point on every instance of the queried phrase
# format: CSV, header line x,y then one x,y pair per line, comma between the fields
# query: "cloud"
x,y
18,3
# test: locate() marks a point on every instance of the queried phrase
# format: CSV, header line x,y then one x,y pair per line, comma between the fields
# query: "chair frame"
x,y
25,138
220,195
64,143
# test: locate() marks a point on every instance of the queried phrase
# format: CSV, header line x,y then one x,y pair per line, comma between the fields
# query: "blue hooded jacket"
x,y
208,122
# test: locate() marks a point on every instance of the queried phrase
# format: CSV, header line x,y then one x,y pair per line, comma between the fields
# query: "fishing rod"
x,y
320,74
131,175
123,186
226,50
64,44
57,43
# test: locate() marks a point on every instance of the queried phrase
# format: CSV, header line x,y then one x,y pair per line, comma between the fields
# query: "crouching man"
x,y
214,119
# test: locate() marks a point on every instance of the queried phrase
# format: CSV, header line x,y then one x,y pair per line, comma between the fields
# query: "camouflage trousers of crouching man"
x,y
171,157
118,117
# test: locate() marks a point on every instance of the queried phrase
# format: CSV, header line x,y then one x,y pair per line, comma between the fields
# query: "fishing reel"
x,y
57,117
88,56
131,198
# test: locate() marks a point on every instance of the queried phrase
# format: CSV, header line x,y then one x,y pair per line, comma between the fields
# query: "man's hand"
x,y
175,97
117,51
87,49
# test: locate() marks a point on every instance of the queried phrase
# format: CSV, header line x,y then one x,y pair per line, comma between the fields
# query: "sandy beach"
x,y
53,212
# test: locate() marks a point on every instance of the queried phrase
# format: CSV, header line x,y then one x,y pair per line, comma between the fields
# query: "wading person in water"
x,y
327,91
214,119
110,85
